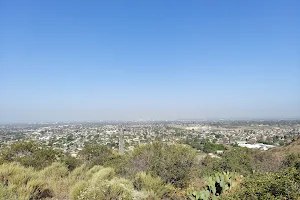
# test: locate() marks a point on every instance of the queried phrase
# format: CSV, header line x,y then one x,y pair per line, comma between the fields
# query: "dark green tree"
x,y
30,154
96,155
171,162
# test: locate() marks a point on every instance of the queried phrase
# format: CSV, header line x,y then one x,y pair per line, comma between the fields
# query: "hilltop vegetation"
x,y
155,171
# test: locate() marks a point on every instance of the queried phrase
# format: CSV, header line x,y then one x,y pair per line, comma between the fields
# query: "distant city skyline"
x,y
149,60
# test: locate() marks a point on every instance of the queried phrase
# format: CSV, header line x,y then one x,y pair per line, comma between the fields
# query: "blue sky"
x,y
131,60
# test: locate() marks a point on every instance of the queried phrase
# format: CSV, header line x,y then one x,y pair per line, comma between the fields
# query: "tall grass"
x,y
18,182
56,182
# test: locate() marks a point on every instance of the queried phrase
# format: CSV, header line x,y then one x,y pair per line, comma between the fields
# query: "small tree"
x,y
96,155
30,154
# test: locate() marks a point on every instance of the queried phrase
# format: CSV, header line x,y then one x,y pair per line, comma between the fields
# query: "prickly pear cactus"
x,y
215,186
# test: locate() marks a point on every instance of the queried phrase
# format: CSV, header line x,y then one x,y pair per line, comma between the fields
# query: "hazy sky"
x,y
158,59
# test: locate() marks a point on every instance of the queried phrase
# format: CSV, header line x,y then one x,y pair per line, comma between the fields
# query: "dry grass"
x,y
18,182
56,183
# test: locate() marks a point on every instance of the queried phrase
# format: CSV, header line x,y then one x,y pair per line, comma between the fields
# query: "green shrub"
x,y
93,170
30,154
78,173
170,162
19,182
153,185
292,160
35,189
237,159
71,162
101,184
103,174
14,173
54,172
147,182
96,155
284,184
117,188
78,189
8,192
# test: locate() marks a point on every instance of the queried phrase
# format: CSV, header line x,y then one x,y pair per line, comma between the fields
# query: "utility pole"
x,y
121,141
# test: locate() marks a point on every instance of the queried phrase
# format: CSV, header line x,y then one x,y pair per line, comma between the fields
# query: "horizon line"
x,y
153,120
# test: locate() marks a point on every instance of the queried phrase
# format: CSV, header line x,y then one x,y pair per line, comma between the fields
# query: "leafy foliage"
x,y
30,154
18,182
292,160
96,155
238,160
205,145
284,184
155,171
170,162
102,185
143,181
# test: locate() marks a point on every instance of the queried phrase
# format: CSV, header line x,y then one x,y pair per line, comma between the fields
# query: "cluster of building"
x,y
72,137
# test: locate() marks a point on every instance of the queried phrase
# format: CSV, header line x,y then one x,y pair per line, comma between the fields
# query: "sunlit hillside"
x,y
153,171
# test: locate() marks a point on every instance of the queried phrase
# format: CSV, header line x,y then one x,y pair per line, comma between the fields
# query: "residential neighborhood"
x,y
72,137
